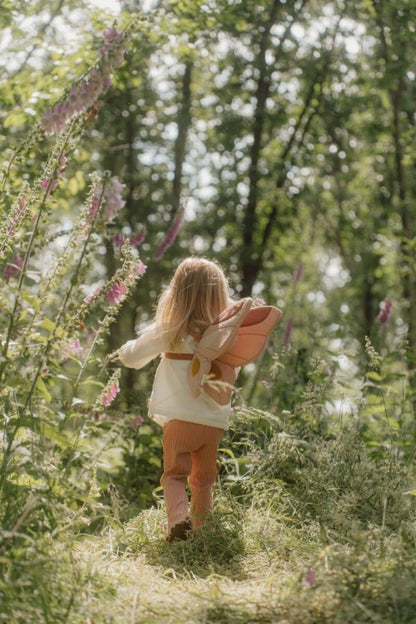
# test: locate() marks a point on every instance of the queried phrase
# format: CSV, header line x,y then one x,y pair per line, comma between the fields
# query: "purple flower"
x,y
310,577
93,209
110,198
18,216
170,237
288,332
118,240
297,275
117,293
83,96
73,348
13,268
113,199
75,345
384,314
136,422
111,36
52,183
111,394
92,296
137,239
111,33
137,270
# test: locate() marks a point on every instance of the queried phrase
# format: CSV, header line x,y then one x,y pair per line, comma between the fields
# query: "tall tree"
x,y
395,23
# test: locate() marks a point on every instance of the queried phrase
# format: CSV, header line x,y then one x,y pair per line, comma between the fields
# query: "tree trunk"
x,y
183,124
396,92
252,252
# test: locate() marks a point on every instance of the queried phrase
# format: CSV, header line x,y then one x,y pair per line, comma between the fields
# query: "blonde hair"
x,y
197,293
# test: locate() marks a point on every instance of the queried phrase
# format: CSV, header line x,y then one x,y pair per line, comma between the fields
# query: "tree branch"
x,y
249,261
41,32
319,79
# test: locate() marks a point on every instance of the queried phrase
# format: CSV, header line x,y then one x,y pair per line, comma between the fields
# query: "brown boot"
x,y
180,531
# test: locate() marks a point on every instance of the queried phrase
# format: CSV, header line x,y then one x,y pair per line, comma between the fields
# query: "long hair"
x,y
197,293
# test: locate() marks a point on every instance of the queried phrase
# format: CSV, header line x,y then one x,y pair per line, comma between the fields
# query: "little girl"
x,y
192,427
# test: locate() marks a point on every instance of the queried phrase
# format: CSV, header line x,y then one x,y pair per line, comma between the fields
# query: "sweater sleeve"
x,y
137,353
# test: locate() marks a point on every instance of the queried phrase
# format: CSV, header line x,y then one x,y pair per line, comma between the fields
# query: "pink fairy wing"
x,y
217,338
221,334
252,336
250,341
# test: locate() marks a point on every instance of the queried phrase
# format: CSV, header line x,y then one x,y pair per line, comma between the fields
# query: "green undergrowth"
x,y
309,530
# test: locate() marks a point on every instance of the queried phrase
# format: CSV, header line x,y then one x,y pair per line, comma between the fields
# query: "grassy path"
x,y
315,534
311,533
232,572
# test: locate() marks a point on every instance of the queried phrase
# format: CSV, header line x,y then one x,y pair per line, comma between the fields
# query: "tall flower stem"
x,y
129,276
87,358
28,254
63,305
25,146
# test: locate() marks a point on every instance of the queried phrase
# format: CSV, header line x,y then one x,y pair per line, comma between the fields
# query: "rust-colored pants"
x,y
189,451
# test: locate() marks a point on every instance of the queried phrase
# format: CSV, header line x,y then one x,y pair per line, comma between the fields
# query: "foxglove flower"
x,y
92,296
113,199
110,199
297,275
137,270
17,216
288,332
83,96
171,236
118,240
137,239
136,422
52,183
309,578
73,348
117,293
111,394
13,268
384,314
111,36
93,207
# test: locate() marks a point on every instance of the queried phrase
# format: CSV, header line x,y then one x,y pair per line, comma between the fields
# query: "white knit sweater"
x,y
170,398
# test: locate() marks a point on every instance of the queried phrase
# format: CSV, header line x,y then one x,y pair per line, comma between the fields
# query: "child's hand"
x,y
114,357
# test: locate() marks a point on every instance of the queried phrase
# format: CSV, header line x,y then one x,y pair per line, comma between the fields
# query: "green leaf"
x,y
40,385
14,119
48,325
78,401
374,376
51,433
91,382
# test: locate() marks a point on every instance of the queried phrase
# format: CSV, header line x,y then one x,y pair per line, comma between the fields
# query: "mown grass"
x,y
305,531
